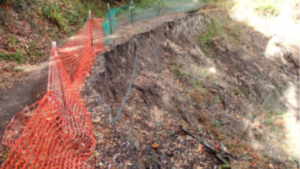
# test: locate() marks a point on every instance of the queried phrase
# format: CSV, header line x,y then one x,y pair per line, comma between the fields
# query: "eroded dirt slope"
x,y
215,96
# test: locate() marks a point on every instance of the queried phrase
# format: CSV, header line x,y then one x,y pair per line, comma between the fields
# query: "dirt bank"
x,y
216,96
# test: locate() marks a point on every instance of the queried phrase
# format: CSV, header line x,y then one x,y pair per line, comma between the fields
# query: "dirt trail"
x,y
27,89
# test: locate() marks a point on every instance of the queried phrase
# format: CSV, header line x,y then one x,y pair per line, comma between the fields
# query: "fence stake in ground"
x,y
90,17
131,10
54,44
109,17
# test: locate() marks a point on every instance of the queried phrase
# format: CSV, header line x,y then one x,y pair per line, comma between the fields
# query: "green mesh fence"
x,y
140,10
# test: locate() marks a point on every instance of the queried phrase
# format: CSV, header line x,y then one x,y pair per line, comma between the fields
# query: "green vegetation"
x,y
279,112
213,30
52,12
267,6
4,1
18,4
16,56
17,68
218,123
11,42
146,4
151,159
216,29
43,21
70,13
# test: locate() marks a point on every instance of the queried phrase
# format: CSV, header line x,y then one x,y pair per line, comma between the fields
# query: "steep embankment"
x,y
230,97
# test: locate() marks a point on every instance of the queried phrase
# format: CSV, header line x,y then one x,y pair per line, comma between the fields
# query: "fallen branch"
x,y
185,116
225,163
290,57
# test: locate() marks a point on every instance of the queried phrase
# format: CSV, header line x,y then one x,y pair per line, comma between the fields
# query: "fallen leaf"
x,y
271,165
154,145
200,148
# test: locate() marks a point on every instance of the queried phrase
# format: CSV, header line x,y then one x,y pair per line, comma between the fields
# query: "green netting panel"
x,y
173,6
123,16
140,10
109,21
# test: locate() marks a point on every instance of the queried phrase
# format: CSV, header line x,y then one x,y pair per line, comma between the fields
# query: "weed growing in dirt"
x,y
216,29
151,159
218,123
221,3
279,112
267,7
17,68
213,30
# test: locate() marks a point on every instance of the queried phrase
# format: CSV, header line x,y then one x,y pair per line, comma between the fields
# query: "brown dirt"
x,y
174,86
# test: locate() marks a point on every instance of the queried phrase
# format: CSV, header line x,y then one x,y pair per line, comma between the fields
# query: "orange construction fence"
x,y
56,132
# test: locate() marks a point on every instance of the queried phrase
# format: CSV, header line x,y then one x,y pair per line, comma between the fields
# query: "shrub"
x,y
4,1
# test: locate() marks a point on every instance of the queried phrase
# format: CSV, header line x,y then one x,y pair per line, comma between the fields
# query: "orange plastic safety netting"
x,y
56,132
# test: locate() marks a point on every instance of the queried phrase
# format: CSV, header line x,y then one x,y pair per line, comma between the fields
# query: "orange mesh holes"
x,y
56,132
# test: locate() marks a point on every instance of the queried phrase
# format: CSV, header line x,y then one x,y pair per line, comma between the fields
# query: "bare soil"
x,y
218,97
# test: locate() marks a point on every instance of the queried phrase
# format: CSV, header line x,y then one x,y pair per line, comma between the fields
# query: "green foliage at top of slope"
x,y
35,23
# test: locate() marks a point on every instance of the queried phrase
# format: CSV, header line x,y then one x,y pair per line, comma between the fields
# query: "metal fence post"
x,y
109,17
90,17
54,44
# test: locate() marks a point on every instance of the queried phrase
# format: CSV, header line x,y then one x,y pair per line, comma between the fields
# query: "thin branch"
x,y
216,154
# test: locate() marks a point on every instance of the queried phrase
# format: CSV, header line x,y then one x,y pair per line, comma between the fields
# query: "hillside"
x,y
215,87
27,29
